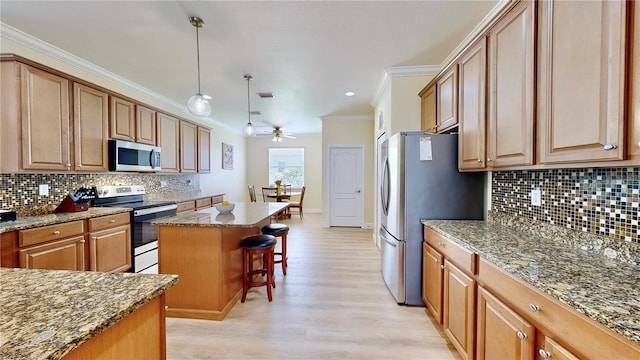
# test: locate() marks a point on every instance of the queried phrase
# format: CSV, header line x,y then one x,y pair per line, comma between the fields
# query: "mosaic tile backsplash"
x,y
19,192
601,201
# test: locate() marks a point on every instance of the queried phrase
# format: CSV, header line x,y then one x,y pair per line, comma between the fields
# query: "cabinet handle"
x,y
441,244
608,147
638,143
521,335
436,260
68,166
479,161
57,232
489,159
442,267
79,165
94,238
82,241
544,353
112,221
534,307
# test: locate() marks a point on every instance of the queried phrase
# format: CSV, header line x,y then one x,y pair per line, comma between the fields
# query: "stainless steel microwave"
x,y
130,156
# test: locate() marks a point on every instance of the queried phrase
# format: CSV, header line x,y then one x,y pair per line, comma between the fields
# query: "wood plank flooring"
x,y
333,304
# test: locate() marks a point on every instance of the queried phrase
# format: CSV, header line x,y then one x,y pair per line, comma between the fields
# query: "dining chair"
x,y
252,193
298,204
265,194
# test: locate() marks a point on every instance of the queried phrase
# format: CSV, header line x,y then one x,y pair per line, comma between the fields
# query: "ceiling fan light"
x,y
198,105
249,130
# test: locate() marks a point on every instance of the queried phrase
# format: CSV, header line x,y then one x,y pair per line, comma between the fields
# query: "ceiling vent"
x,y
266,95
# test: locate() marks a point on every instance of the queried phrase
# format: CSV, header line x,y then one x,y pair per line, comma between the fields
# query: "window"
x,y
287,164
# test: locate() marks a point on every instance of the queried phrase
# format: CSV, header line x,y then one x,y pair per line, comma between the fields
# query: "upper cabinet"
x,y
145,125
169,142
447,100
511,88
188,147
122,124
90,119
204,150
633,140
581,81
428,114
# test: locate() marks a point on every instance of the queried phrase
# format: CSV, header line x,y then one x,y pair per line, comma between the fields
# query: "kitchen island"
x,y
203,248
54,314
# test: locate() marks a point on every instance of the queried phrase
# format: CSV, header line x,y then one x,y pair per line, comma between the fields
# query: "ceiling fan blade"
x,y
288,136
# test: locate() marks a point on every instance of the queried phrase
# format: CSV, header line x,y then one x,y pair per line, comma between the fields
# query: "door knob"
x,y
358,191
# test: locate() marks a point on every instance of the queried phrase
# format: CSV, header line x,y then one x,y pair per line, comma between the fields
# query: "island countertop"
x,y
243,215
48,313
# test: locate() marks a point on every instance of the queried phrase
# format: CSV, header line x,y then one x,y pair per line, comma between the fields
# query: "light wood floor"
x,y
332,304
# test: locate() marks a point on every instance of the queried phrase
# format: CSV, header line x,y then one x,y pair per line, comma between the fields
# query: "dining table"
x,y
283,195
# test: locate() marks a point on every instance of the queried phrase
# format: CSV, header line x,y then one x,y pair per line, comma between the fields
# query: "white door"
x,y
346,185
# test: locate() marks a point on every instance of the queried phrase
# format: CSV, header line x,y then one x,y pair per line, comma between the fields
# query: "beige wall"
x,y
258,163
230,182
351,132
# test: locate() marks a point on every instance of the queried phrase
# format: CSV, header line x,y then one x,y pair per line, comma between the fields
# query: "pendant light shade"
x,y
249,130
198,104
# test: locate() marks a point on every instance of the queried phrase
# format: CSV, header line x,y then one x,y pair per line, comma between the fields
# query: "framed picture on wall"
x,y
227,156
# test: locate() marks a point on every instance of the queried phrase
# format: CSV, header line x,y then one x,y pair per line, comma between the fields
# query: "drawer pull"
x,y
57,232
544,353
479,161
534,307
608,147
521,335
489,159
112,221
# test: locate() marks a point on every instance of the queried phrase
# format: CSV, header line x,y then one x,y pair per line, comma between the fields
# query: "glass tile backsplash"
x,y
598,201
19,192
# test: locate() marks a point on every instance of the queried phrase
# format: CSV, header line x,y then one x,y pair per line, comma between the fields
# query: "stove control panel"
x,y
119,190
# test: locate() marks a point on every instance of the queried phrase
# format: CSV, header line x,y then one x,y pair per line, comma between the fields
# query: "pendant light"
x,y
249,130
198,104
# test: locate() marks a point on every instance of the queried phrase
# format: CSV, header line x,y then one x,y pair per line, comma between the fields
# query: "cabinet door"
x,y
169,142
429,113
90,123
549,349
447,109
472,69
66,254
432,275
502,333
581,81
459,309
511,88
110,250
633,140
122,121
145,125
204,150
188,147
45,120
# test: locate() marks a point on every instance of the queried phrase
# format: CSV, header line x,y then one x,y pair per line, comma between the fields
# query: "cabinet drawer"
x,y
583,336
186,206
104,222
463,258
217,199
51,232
203,203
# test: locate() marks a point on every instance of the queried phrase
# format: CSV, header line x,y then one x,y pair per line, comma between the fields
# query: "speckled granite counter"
x,y
179,196
48,313
604,289
243,215
57,218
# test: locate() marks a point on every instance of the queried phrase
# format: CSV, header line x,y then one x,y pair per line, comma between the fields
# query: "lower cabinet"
x,y
110,243
459,309
66,254
432,276
549,349
502,333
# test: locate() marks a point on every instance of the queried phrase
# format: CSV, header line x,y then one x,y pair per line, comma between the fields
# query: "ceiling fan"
x,y
278,134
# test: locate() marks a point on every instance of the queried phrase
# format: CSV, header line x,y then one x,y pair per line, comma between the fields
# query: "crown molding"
x,y
400,71
11,33
347,118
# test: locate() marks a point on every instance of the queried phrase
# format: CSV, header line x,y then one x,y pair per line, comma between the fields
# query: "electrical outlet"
x,y
43,190
536,197
163,184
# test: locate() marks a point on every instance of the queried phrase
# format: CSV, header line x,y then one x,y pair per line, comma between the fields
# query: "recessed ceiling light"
x,y
349,93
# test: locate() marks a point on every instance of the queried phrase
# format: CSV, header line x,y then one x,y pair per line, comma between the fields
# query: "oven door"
x,y
143,231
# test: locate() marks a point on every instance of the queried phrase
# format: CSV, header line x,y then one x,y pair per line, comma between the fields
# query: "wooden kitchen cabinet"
x,y
110,243
90,123
547,348
168,128
511,78
633,140
447,100
66,254
185,206
122,119
188,147
432,280
204,150
203,203
472,78
501,332
458,310
145,125
428,114
581,81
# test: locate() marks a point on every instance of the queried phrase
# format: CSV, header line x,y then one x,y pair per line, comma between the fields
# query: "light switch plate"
x,y
43,190
536,197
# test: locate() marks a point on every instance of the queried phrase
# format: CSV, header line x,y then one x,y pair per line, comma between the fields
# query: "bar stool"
x,y
261,245
279,230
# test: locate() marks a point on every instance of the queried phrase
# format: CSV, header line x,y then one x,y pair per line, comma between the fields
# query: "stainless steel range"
x,y
144,236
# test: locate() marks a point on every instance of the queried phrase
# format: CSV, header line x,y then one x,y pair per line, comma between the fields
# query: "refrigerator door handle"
x,y
384,187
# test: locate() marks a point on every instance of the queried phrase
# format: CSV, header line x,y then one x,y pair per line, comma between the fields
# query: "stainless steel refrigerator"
x,y
420,180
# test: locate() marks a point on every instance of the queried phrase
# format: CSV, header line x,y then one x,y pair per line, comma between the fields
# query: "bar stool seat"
x,y
261,245
279,230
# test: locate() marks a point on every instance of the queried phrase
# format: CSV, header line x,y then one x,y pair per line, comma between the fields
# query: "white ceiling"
x,y
308,53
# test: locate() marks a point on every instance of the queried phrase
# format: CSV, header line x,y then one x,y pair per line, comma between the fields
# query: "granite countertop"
x,y
243,215
48,313
604,289
179,196
57,218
